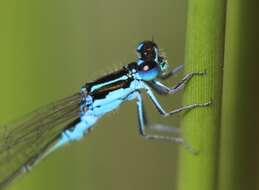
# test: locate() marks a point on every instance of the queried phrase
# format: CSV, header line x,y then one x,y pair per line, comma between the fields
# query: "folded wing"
x,y
25,141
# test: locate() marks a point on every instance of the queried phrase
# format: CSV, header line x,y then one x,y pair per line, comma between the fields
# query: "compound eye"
x,y
147,51
148,70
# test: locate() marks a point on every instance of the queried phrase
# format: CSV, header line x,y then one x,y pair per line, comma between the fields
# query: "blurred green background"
x,y
48,49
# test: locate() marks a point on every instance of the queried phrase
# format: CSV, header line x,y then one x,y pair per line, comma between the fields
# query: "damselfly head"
x,y
147,51
151,62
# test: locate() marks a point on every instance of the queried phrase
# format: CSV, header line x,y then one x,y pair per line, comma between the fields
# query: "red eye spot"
x,y
146,68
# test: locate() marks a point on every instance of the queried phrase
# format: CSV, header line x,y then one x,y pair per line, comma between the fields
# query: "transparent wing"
x,y
24,141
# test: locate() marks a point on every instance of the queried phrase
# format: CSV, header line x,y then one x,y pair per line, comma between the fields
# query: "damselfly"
x,y
26,141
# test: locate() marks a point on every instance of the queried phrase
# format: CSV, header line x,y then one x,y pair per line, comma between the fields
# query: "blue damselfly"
x,y
24,142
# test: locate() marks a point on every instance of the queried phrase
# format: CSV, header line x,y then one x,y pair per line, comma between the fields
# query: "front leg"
x,y
165,90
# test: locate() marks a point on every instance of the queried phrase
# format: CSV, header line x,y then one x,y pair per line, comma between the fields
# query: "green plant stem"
x,y
201,126
239,135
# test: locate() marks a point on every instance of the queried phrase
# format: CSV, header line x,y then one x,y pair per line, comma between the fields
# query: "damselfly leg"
x,y
181,109
143,123
165,90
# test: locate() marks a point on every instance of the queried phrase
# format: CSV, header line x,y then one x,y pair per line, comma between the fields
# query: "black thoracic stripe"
x,y
103,91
